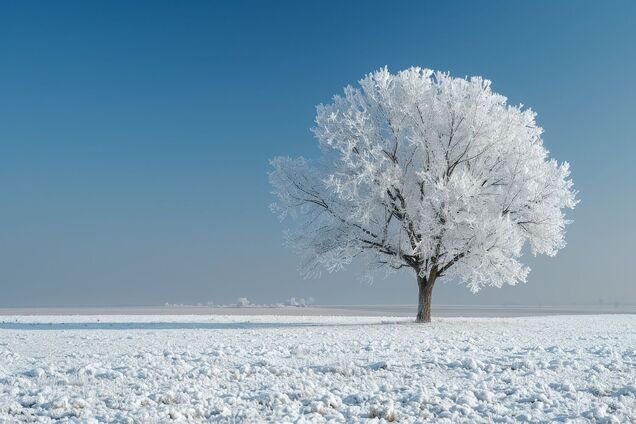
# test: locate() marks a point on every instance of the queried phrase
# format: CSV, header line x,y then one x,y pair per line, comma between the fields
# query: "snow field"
x,y
155,369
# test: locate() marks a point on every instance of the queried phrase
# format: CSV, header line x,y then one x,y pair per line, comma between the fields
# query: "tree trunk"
x,y
425,286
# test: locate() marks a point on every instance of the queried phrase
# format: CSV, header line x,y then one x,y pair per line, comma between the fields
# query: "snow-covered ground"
x,y
315,369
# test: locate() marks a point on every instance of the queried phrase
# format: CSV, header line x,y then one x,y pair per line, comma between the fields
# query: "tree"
x,y
424,171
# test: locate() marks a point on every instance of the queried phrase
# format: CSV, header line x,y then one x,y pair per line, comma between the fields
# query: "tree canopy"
x,y
426,171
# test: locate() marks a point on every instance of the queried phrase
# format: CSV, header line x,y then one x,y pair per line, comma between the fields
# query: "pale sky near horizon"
x,y
135,139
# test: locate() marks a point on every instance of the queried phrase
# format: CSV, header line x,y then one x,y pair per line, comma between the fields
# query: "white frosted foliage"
x,y
425,171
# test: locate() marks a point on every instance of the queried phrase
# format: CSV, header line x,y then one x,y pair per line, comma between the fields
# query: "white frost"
x,y
425,171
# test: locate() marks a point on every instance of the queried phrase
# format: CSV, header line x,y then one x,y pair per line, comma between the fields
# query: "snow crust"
x,y
281,369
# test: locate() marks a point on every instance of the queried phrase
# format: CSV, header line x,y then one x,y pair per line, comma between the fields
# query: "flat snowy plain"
x,y
196,368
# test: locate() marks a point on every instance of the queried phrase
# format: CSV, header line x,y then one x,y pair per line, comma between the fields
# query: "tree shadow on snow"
x,y
176,325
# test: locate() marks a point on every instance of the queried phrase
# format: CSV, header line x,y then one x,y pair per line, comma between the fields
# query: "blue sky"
x,y
135,138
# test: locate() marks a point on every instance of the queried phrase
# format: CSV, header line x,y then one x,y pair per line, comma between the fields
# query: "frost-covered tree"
x,y
424,171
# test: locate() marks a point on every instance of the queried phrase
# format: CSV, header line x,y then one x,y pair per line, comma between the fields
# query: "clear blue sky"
x,y
135,138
